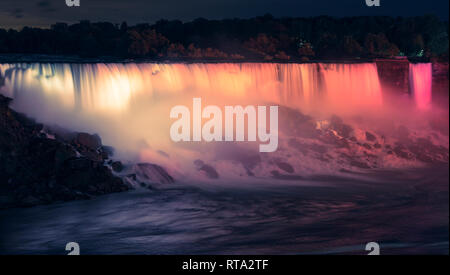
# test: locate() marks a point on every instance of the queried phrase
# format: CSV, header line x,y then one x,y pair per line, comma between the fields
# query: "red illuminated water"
x,y
421,84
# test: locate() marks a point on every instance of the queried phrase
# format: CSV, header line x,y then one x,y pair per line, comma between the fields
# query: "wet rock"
x,y
424,150
330,138
37,168
209,171
108,150
359,164
343,143
295,123
370,137
294,143
92,142
402,152
367,146
132,176
340,127
63,153
286,167
305,148
117,166
151,173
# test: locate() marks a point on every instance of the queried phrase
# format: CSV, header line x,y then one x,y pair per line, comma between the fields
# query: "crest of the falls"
x,y
114,86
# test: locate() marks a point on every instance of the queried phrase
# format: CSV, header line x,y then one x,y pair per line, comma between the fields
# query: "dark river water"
x,y
406,212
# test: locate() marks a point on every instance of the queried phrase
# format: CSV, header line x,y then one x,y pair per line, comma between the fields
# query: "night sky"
x,y
42,13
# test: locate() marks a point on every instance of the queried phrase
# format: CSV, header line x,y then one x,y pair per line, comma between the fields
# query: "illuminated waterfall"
x,y
114,86
128,105
352,85
420,76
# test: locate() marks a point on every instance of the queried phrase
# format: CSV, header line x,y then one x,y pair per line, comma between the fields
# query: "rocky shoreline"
x,y
37,167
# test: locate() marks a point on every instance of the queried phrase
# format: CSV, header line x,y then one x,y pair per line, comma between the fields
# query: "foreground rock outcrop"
x,y
38,168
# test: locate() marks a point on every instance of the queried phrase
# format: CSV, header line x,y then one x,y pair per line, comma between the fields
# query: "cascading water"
x,y
129,106
420,76
352,85
113,86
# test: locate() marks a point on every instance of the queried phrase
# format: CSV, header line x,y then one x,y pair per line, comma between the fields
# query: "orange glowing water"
x,y
114,86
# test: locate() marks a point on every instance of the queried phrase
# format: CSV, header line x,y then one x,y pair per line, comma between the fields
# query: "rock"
x,y
285,166
4,101
367,146
343,143
117,166
63,153
296,123
359,164
132,176
370,137
92,142
37,169
329,137
424,150
401,152
108,150
209,171
152,173
340,127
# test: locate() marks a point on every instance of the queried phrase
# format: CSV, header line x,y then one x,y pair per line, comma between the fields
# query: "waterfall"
x,y
128,105
113,86
420,77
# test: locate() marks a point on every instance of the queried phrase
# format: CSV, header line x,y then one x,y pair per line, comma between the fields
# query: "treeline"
x,y
260,38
